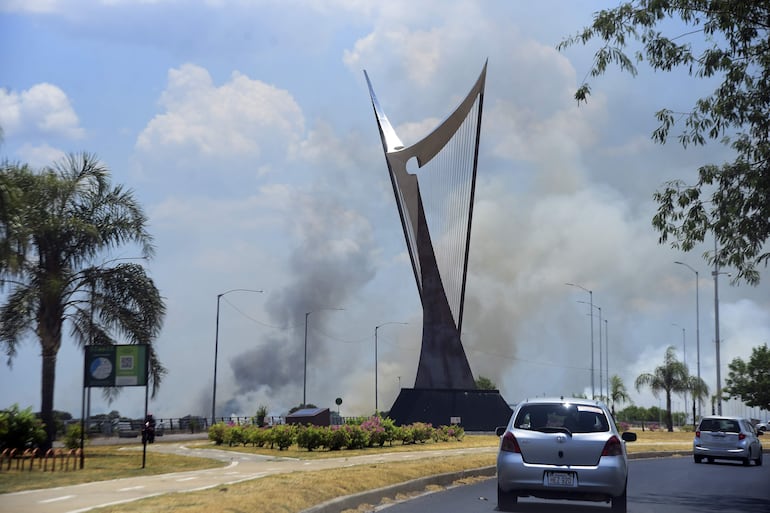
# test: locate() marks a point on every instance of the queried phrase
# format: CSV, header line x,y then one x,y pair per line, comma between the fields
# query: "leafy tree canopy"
x,y
484,383
750,381
727,40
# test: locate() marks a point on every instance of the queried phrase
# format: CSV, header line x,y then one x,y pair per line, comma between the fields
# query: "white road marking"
x,y
130,488
186,479
56,499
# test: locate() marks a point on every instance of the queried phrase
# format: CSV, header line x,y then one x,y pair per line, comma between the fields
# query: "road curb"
x,y
375,497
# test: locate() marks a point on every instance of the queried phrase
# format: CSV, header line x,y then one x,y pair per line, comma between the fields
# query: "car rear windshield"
x,y
726,425
556,416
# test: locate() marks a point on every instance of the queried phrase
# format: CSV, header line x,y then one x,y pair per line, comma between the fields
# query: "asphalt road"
x,y
670,485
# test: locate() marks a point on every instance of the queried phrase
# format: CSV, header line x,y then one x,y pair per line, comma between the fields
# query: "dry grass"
x,y
296,491
101,463
292,492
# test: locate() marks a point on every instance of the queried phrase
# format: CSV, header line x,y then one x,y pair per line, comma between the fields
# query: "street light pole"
x,y
715,273
591,314
216,352
684,359
304,373
607,358
697,326
376,405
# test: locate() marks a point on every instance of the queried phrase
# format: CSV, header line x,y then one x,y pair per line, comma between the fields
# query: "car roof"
x,y
560,400
725,417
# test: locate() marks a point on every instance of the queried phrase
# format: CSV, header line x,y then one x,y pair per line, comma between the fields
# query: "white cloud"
x,y
240,117
40,156
43,109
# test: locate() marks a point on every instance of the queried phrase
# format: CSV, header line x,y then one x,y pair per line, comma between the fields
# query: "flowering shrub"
x,y
359,439
422,432
376,431
338,438
457,432
624,426
653,427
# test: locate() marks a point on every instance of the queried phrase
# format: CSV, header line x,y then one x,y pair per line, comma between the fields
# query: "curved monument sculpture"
x,y
435,204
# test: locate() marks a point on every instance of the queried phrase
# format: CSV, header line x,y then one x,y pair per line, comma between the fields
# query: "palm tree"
x,y
57,227
699,391
617,392
670,377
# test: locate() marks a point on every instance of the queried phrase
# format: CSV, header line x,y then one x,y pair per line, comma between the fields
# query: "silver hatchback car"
x,y
562,449
727,438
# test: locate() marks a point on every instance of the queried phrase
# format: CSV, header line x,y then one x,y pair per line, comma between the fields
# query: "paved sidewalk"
x,y
240,467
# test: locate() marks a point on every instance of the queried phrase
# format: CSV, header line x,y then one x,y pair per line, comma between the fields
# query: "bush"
x,y
375,431
72,436
359,439
338,438
217,433
237,436
283,436
311,437
20,429
457,432
421,432
257,436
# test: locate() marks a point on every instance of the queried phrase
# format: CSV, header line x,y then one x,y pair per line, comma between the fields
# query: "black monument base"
x,y
474,410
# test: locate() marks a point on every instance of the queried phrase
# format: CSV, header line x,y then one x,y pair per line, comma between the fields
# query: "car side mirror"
x,y
760,433
500,430
628,436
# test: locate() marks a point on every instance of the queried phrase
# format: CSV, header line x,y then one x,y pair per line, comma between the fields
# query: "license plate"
x,y
560,479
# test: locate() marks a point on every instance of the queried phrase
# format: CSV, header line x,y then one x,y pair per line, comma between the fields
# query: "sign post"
x,y
118,366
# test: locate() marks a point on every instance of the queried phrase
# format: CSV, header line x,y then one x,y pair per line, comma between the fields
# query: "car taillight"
x,y
697,434
613,447
741,436
509,443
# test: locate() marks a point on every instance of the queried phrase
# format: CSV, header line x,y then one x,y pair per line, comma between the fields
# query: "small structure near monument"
x,y
314,416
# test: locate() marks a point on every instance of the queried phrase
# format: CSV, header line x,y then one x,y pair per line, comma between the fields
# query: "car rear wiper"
x,y
553,429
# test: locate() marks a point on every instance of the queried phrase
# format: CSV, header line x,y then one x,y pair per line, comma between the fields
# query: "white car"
x,y
562,449
727,438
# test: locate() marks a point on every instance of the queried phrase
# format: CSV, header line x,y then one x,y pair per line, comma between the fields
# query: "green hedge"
x,y
372,432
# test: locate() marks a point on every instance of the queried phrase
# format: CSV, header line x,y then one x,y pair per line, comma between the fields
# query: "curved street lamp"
x,y
376,406
216,352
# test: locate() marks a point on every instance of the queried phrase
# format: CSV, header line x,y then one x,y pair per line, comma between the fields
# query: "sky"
x,y
245,129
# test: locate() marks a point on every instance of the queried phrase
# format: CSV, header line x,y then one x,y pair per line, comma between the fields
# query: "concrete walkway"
x,y
240,467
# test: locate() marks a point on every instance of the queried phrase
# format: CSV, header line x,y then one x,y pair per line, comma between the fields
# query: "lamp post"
x,y
697,325
216,351
715,273
591,313
684,359
376,405
593,395
607,358
304,373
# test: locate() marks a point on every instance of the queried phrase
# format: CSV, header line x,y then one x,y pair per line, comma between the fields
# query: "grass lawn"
x,y
269,494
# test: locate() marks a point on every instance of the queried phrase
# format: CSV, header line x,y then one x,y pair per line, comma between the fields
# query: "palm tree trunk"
x,y
669,418
46,403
